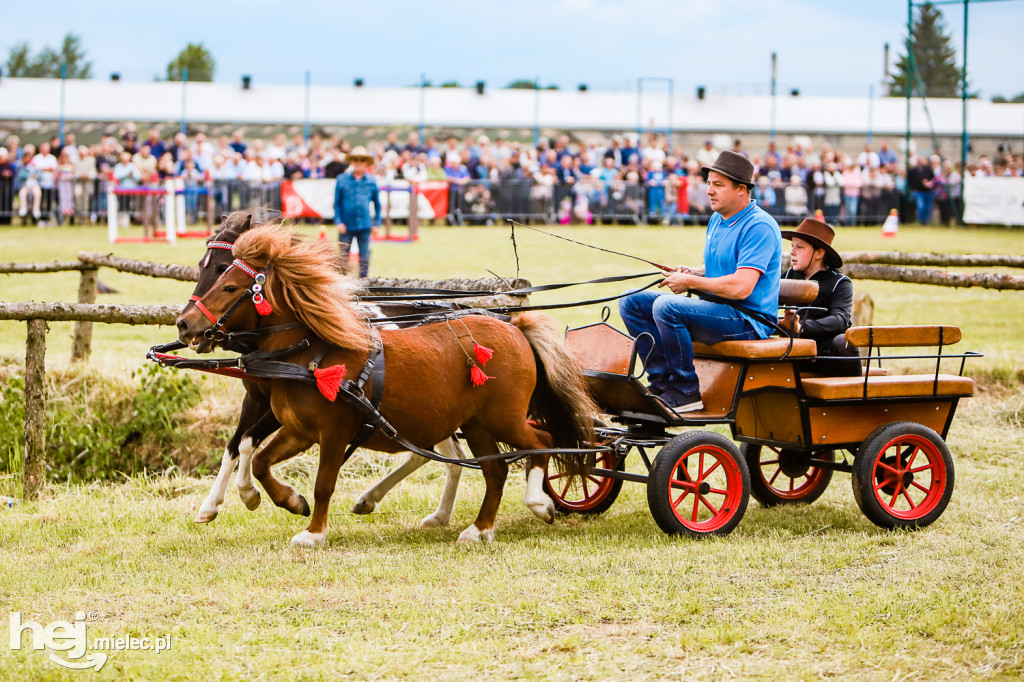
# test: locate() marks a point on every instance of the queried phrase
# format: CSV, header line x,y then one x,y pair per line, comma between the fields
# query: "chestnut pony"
x,y
535,396
256,421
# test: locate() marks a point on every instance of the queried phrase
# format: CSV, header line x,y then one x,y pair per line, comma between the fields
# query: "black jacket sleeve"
x,y
838,318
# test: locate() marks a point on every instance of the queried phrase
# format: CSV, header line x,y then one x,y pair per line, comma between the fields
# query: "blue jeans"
x,y
362,239
851,209
924,206
674,322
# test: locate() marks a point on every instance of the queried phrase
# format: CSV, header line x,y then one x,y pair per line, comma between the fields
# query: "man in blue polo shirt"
x,y
353,195
742,262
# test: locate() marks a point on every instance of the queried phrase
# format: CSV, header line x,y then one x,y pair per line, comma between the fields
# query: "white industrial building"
x,y
27,103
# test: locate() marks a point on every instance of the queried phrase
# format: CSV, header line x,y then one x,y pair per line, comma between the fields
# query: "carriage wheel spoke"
x,y
765,462
883,465
913,455
595,480
696,507
895,496
679,499
774,476
907,497
920,487
565,490
707,504
586,490
921,468
718,491
708,472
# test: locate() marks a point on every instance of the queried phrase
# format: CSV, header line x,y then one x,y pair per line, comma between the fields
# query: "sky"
x,y
824,47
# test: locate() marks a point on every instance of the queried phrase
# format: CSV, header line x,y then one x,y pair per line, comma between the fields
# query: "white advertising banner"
x,y
993,201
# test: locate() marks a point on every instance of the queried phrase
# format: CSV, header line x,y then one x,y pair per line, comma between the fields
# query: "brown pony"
x,y
428,394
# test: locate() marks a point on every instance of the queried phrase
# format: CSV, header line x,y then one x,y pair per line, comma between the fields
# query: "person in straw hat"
x,y
812,257
353,194
742,262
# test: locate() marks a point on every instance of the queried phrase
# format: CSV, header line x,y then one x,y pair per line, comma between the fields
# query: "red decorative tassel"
x,y
477,376
329,380
483,353
263,306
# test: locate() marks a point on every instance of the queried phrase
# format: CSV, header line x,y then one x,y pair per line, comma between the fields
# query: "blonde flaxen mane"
x,y
302,276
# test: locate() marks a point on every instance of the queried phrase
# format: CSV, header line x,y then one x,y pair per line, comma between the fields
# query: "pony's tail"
x,y
560,402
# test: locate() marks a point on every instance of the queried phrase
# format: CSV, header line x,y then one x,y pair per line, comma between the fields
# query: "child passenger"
x,y
813,258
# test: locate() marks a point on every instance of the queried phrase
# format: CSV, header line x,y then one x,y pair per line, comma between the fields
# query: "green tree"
x,y
47,64
930,62
523,84
197,59
1017,99
18,62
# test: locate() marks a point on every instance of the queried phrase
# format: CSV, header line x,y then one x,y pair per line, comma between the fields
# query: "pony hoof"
x,y
250,497
473,534
434,521
544,511
364,506
205,516
302,507
307,539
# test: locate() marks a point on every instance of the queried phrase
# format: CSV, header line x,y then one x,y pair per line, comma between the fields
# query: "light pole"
x,y
639,106
774,74
63,83
184,88
305,127
423,102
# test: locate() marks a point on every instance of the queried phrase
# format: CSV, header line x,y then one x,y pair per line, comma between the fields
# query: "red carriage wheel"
x,y
783,476
903,476
587,494
699,485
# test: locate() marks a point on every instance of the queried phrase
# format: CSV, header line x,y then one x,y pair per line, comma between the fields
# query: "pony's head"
x,y
297,277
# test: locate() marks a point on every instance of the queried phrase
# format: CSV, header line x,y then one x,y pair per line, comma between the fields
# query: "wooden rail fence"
x,y
862,265
86,312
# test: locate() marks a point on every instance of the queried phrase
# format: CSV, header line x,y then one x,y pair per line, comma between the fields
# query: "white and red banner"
x,y
315,199
993,201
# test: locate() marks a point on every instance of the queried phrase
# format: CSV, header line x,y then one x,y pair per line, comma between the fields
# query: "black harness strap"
x,y
373,371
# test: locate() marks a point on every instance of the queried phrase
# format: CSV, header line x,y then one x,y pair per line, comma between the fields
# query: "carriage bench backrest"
x,y
898,385
793,293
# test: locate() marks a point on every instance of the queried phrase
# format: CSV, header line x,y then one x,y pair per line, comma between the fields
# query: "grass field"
x,y
793,593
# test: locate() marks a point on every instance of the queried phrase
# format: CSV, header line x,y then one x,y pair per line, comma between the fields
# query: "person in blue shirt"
x,y
742,262
353,194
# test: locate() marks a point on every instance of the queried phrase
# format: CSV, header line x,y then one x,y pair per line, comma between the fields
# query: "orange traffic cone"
x,y
891,225
323,233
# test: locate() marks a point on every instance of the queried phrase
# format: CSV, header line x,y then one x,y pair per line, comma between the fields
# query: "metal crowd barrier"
x,y
477,202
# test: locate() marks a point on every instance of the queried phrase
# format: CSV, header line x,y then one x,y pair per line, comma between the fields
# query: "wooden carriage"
x,y
796,427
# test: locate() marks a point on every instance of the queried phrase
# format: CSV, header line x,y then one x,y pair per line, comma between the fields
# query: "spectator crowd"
x,y
620,179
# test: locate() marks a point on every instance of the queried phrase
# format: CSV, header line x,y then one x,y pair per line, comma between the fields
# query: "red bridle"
x,y
263,306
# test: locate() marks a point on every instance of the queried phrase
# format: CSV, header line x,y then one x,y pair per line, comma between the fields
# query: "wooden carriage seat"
x,y
793,293
895,385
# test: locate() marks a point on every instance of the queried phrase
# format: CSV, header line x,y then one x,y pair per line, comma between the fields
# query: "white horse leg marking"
x,y
367,502
307,539
246,490
474,534
452,450
536,499
211,505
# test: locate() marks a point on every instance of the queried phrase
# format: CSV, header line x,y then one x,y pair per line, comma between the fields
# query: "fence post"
x,y
209,207
414,210
81,345
35,408
111,214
